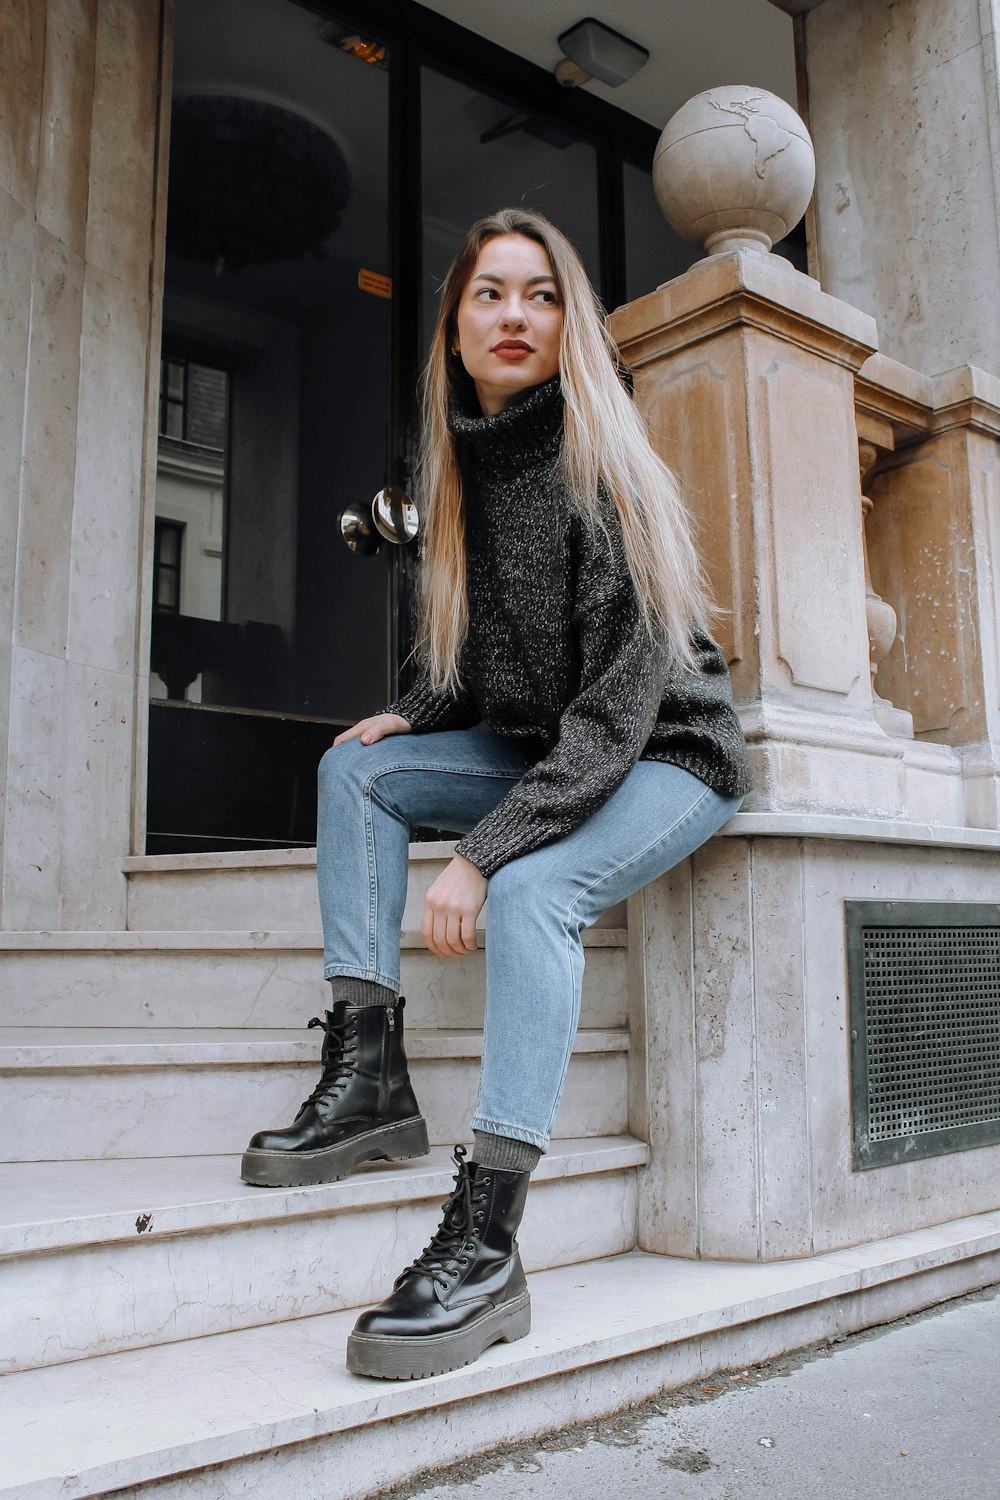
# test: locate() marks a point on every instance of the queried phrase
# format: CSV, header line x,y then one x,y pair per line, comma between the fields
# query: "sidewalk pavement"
x,y
910,1411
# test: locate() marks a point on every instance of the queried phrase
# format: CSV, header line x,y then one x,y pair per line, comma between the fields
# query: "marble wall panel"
x,y
21,98
636,989
898,96
17,253
64,144
49,452
6,654
692,405
29,897
782,1083
123,139
97,784
726,1023
668,1197
105,542
815,516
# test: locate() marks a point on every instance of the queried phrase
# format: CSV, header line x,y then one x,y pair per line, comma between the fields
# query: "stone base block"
x,y
747,1037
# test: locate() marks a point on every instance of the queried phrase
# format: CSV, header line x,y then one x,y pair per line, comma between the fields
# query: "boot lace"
x,y
339,1059
455,1239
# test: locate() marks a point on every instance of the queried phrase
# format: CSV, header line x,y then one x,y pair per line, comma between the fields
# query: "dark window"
x,y
173,398
167,566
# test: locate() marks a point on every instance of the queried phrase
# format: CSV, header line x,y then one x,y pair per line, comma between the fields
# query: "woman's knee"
x,y
524,889
540,886
344,767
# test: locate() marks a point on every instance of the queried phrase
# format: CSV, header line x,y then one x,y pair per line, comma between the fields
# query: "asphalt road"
x,y
906,1412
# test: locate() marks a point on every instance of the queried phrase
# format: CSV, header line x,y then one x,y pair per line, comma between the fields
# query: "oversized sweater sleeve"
x,y
604,727
426,710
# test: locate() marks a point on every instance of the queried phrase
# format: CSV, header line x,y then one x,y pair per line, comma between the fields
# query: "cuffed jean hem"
x,y
344,971
512,1132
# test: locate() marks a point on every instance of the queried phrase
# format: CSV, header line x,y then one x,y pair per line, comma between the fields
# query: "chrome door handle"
x,y
391,514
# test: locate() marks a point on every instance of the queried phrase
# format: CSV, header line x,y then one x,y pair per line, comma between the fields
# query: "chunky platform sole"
x,y
419,1358
400,1141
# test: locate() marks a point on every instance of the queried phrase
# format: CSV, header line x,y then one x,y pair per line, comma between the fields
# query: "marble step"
x,y
251,978
119,1092
104,1256
272,1412
261,889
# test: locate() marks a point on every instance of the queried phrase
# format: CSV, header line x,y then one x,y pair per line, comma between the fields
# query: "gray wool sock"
x,y
503,1153
359,991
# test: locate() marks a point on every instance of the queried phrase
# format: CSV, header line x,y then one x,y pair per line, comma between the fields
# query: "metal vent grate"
x,y
924,983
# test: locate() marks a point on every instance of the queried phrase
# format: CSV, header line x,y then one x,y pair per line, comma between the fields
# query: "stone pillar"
x,y
934,537
904,110
746,371
720,942
76,241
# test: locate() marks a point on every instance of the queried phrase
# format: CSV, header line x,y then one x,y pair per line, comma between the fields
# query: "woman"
x,y
562,603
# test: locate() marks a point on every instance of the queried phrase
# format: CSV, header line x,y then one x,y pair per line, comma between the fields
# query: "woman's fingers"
x,y
369,731
443,933
451,906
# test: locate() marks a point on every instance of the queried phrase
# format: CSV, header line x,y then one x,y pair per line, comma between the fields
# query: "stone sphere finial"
x,y
734,169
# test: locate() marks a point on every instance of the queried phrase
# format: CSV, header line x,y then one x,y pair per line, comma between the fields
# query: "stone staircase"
x,y
136,1064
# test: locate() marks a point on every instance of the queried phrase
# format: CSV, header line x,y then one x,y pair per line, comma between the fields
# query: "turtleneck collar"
x,y
527,430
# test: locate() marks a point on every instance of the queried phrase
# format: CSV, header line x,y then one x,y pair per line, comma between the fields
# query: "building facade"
x,y
222,230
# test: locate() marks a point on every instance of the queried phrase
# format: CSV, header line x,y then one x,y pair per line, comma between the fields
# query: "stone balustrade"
x,y
847,506
933,537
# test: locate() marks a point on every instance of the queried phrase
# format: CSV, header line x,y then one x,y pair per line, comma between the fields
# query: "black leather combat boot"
x,y
464,1292
363,1107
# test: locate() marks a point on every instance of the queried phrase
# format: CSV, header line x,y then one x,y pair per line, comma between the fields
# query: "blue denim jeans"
x,y
371,796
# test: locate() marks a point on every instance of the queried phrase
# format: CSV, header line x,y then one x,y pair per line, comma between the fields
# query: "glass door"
x,y
325,161
267,632
481,151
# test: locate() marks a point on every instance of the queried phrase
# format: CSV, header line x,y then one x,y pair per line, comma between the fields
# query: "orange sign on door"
x,y
371,281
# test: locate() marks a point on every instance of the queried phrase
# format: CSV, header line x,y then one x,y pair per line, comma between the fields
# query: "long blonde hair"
x,y
605,443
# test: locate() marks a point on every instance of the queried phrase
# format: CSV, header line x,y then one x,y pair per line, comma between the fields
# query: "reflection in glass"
x,y
481,153
654,253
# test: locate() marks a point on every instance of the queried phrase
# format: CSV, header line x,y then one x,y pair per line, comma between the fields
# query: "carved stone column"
x,y
934,532
873,437
745,369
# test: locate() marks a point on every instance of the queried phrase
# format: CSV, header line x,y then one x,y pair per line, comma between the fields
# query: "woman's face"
x,y
509,321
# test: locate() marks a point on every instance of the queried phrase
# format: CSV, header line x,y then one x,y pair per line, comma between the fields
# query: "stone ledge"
x,y
232,942
260,859
52,1206
743,288
28,1049
860,830
606,1334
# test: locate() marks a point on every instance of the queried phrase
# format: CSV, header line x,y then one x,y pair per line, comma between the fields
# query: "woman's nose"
x,y
513,311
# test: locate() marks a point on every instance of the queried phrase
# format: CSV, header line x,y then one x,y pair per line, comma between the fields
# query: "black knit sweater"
x,y
557,657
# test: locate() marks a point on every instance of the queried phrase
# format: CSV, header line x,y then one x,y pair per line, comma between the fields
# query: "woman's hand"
x,y
451,906
368,731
